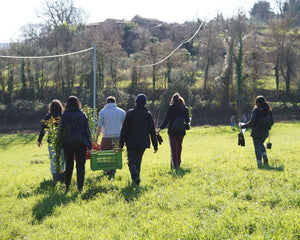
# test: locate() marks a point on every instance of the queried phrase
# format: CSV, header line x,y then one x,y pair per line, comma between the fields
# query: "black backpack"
x,y
74,135
265,122
178,126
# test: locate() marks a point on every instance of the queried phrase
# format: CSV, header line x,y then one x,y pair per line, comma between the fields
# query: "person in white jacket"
x,y
110,121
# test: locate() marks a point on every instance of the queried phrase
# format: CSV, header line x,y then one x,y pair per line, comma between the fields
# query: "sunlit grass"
x,y
218,194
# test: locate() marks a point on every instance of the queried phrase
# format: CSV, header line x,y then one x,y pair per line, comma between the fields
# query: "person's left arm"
x,y
186,115
272,117
165,121
88,133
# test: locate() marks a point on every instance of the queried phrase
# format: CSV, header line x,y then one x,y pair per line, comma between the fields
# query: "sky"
x,y
16,13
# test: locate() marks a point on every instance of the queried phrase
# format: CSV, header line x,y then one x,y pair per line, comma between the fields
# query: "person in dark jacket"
x,y
73,112
261,108
55,109
137,127
177,108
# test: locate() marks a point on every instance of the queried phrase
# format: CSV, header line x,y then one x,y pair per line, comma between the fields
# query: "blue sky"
x,y
16,13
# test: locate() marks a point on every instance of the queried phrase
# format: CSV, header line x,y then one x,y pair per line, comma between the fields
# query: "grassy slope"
x,y
218,194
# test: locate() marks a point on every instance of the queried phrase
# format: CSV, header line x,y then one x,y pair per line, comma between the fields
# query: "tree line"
x,y
227,63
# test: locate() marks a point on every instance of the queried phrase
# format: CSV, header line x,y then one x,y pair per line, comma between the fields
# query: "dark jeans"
x,y
176,149
80,154
109,144
259,148
135,156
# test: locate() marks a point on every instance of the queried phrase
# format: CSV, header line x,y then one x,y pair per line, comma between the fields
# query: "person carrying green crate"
x,y
137,127
110,122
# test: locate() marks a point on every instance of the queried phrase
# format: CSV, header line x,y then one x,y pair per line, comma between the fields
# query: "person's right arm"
x,y
97,134
124,129
42,130
99,127
165,122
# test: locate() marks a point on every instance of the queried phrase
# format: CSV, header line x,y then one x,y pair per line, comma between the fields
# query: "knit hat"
x,y
141,99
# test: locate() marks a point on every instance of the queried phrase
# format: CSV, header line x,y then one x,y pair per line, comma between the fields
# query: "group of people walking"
x,y
134,128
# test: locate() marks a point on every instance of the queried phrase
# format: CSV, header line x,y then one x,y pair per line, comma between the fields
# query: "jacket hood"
x,y
110,105
72,113
263,111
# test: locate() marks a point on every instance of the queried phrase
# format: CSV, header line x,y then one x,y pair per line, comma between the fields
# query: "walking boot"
x,y
266,162
265,157
259,163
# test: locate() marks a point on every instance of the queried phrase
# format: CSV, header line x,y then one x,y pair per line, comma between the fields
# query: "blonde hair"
x,y
176,98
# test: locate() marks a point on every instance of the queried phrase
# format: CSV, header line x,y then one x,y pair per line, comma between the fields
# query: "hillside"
x,y
219,68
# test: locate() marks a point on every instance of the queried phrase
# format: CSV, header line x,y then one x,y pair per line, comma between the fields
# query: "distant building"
x,y
109,25
146,22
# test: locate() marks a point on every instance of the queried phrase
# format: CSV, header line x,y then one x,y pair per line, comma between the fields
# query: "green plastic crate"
x,y
105,160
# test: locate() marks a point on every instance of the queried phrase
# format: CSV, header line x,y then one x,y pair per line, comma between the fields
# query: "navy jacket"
x,y
78,115
175,110
137,127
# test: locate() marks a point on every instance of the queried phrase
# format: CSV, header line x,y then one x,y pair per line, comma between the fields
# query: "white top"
x,y
110,120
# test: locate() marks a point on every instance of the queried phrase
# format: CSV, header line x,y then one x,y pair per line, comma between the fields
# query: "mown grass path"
x,y
218,194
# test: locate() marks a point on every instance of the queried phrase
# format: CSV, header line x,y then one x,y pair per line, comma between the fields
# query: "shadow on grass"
x,y
53,198
93,188
273,168
6,140
179,172
20,138
45,187
27,138
132,191
46,206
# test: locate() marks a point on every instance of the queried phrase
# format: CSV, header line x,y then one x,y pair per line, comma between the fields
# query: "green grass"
x,y
218,194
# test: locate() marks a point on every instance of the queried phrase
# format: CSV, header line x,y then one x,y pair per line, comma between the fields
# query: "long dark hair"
x,y
176,98
260,102
73,101
55,107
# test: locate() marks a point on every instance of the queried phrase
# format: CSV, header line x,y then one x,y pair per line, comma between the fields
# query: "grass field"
x,y
218,194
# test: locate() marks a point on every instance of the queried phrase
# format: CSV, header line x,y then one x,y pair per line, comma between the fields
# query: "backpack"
x,y
74,136
265,122
178,125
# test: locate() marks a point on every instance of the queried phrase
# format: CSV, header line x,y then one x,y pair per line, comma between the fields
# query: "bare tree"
x,y
62,21
284,39
211,49
229,38
58,12
153,52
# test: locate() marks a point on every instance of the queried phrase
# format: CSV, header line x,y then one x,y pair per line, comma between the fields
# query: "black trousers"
x,y
80,153
135,156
